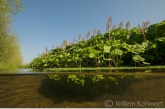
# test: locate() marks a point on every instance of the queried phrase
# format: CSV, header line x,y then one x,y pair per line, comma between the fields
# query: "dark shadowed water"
x,y
21,88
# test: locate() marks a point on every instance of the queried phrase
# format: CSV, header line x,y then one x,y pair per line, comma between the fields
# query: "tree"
x,y
10,54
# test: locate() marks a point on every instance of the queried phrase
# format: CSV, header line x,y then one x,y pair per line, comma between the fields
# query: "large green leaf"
x,y
56,60
92,50
61,56
101,46
69,60
137,48
45,65
148,45
126,46
137,58
116,52
161,39
51,59
107,49
77,58
116,43
44,60
109,42
91,55
67,54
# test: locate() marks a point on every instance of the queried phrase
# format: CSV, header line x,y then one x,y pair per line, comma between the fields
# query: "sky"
x,y
48,22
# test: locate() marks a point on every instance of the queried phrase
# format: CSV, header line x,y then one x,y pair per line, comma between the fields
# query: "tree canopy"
x,y
10,54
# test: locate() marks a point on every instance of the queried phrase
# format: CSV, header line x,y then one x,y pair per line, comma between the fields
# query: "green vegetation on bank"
x,y
102,68
10,54
135,47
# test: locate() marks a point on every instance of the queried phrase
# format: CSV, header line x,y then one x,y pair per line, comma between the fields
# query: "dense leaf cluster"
x,y
138,46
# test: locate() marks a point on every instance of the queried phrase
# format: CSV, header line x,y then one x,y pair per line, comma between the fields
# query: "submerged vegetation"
x,y
92,85
135,47
10,54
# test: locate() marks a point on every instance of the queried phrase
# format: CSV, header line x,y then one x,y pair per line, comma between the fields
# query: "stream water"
x,y
23,89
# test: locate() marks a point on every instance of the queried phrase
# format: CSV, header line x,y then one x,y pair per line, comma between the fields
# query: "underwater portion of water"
x,y
94,89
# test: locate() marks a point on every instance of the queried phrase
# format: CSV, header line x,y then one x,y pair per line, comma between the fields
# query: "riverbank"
x,y
102,68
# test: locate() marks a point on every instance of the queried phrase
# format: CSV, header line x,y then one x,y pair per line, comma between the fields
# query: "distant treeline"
x,y
138,46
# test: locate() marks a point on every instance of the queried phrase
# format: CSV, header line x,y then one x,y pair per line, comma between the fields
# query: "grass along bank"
x,y
102,68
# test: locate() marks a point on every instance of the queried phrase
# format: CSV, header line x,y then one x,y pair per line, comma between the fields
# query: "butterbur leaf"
x,y
91,55
116,43
68,54
77,58
107,49
44,60
101,46
51,58
92,50
45,65
137,58
153,45
126,46
109,42
137,48
161,39
145,44
56,60
148,45
128,36
69,60
61,56
116,52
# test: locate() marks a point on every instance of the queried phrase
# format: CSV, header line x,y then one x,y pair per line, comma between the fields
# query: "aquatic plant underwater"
x,y
92,85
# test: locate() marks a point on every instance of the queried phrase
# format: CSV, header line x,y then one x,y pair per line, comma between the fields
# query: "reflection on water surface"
x,y
67,90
